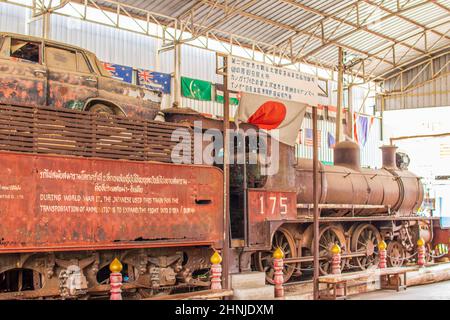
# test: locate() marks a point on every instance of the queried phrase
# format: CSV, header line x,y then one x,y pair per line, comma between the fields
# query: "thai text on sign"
x,y
280,83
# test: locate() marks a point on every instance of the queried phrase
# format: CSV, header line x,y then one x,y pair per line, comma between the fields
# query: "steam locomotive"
x,y
78,190
359,207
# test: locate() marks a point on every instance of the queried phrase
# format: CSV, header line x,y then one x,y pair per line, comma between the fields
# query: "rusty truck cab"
x,y
36,71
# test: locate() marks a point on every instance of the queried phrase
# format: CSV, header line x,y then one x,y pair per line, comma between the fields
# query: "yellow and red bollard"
x,y
216,271
278,277
336,266
382,254
421,252
335,259
115,280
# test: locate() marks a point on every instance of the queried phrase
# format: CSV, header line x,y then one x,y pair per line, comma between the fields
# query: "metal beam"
x,y
229,12
409,64
399,15
340,96
294,30
344,21
364,28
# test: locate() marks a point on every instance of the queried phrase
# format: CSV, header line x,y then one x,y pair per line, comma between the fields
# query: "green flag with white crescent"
x,y
234,96
196,89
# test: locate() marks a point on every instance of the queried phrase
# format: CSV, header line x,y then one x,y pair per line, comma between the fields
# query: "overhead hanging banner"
x,y
259,78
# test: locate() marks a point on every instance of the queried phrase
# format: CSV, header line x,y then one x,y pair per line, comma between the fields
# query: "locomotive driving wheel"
x,y
264,260
396,254
328,237
365,240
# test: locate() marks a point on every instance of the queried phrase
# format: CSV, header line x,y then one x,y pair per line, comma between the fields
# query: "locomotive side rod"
x,y
311,258
316,205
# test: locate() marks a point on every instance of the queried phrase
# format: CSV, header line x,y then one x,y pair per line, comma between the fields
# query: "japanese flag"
x,y
272,114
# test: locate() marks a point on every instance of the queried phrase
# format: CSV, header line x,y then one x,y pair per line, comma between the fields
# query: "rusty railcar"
x,y
78,189
359,208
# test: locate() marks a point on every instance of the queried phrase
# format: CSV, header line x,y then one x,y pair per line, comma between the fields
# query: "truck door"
x,y
23,77
71,80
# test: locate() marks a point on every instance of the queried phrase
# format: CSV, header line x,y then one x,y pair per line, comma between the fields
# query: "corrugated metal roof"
x,y
312,29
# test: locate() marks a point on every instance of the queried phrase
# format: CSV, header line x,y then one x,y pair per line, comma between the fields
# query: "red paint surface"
x,y
97,203
266,206
269,115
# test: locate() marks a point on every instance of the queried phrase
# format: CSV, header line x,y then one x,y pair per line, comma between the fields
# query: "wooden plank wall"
x,y
74,133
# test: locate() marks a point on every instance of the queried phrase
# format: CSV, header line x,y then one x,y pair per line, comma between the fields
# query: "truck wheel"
x,y
101,109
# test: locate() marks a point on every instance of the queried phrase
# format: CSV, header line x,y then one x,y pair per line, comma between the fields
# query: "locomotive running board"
x,y
365,218
352,207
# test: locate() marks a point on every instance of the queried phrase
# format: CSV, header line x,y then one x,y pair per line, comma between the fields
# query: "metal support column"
x,y
383,101
340,96
177,75
316,204
350,112
226,176
46,25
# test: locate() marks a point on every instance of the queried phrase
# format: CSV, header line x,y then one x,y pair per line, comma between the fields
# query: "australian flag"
x,y
154,80
119,72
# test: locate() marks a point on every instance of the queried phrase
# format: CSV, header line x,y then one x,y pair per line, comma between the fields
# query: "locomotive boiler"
x,y
359,207
377,191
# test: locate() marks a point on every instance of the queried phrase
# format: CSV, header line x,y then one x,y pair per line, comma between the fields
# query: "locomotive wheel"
x,y
283,239
395,254
365,239
329,236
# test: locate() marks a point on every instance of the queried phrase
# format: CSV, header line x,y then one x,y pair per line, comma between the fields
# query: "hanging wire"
x,y
437,257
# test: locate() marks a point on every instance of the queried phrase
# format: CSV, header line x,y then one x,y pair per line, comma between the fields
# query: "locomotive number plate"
x,y
271,205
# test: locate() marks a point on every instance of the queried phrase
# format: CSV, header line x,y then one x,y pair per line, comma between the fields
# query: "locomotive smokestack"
x,y
346,154
388,154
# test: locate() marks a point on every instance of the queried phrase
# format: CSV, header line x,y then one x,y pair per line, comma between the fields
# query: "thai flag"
x,y
361,128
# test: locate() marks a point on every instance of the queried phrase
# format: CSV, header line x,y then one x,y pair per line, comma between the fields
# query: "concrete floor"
x,y
434,291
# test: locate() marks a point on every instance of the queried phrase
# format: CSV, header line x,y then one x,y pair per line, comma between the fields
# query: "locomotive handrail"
x,y
369,174
341,206
364,218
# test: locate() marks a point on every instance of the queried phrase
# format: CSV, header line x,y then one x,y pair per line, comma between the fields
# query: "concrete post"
x,y
115,280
